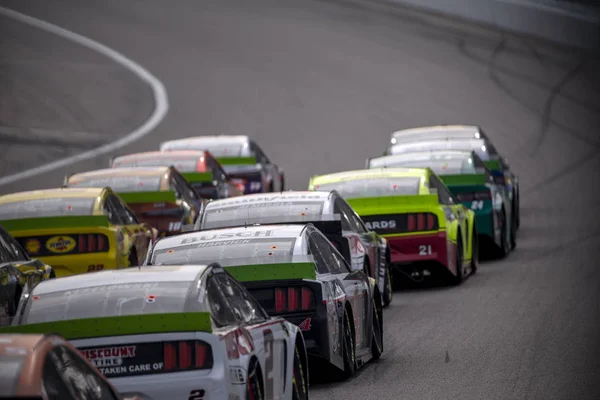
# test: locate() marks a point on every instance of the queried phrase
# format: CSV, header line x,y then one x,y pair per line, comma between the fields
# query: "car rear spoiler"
x,y
25,224
198,177
122,325
148,197
272,272
387,201
464,179
493,164
237,160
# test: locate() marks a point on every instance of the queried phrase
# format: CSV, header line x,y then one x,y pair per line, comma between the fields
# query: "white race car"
x,y
172,332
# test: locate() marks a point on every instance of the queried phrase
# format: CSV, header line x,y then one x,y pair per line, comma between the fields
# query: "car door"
x,y
265,335
77,376
354,283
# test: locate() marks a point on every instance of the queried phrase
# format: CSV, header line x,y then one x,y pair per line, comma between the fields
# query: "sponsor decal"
x,y
237,375
109,356
226,235
305,325
373,225
60,244
32,246
95,267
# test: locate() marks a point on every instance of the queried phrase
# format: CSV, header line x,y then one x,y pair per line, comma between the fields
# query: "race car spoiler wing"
x,y
260,269
409,200
464,179
148,197
87,328
74,221
236,160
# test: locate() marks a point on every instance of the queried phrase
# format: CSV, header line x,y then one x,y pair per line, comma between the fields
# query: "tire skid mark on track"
x,y
161,105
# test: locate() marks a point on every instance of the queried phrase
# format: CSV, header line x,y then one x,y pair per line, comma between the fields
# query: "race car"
x,y
12,252
470,138
294,272
240,156
47,367
199,168
426,230
472,184
437,132
159,196
76,230
172,332
362,248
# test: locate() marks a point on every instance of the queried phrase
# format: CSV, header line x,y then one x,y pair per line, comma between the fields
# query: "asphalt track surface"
x,y
321,84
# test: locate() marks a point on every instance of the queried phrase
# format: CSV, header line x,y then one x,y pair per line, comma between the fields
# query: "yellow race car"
x,y
76,230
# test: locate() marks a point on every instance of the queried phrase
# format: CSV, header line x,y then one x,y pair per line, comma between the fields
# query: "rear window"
x,y
478,146
55,207
10,370
436,135
374,187
440,166
120,183
222,217
181,163
200,252
107,301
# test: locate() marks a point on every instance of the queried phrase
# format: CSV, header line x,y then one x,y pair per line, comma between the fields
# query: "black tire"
x,y
254,383
513,231
52,274
348,349
458,279
475,255
299,380
517,210
282,183
388,290
504,248
377,340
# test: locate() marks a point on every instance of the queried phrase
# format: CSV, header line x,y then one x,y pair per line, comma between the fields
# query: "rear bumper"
x,y
485,223
433,247
81,263
315,332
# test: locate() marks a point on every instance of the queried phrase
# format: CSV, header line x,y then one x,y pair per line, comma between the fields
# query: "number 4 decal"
x,y
269,340
425,250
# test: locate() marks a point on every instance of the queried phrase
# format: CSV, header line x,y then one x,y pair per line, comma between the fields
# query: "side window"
x,y
52,382
186,190
126,216
444,196
218,173
321,261
78,376
174,186
341,266
258,153
5,254
111,212
219,308
251,311
350,216
335,263
12,247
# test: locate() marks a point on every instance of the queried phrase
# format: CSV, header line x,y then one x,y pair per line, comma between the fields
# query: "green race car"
x,y
472,184
426,229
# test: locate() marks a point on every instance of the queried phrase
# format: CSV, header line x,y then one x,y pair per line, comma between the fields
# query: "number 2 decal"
x,y
425,250
269,340
477,205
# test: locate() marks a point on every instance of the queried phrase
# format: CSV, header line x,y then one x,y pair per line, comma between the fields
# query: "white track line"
x,y
161,102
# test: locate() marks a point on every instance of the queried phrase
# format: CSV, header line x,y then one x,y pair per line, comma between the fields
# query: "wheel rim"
x,y
298,380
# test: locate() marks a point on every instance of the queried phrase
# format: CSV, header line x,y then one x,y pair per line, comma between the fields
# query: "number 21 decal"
x,y
269,340
425,250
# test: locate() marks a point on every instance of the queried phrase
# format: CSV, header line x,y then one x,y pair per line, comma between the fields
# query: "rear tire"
x,y
458,279
388,290
348,350
254,384
475,254
133,261
299,381
377,341
504,248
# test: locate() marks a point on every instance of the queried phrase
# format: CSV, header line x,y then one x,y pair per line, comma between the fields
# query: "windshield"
x,y
219,217
374,187
440,165
107,301
183,164
119,183
54,207
200,252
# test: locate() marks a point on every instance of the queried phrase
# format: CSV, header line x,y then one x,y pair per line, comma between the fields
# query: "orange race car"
x,y
200,168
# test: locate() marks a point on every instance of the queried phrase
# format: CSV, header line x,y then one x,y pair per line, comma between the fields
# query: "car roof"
x,y
133,275
128,171
55,193
372,173
467,129
210,139
419,155
288,196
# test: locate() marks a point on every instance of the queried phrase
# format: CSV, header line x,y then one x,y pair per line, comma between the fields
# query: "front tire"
x,y
377,340
299,381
